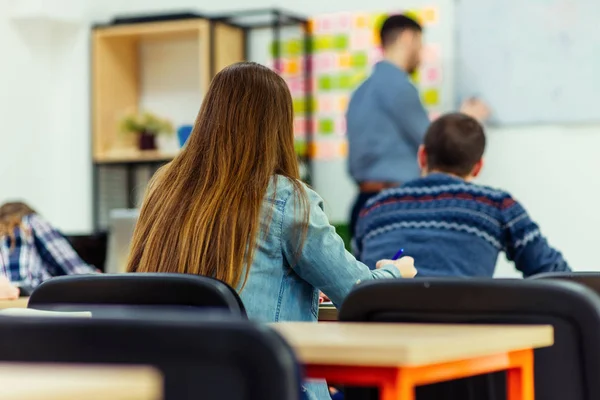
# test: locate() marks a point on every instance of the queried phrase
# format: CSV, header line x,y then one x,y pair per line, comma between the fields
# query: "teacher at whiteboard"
x,y
386,121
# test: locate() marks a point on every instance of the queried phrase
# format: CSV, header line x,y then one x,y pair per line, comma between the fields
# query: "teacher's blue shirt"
x,y
386,123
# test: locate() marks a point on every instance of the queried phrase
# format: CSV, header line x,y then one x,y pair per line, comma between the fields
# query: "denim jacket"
x,y
283,283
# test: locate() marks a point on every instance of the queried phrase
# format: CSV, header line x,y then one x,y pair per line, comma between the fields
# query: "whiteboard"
x,y
533,61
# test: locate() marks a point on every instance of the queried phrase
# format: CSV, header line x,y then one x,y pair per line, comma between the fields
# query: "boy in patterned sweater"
x,y
451,226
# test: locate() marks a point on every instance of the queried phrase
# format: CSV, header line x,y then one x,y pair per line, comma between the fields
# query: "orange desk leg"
x,y
392,384
520,379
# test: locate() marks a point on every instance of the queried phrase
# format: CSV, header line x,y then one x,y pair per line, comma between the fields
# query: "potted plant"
x,y
147,125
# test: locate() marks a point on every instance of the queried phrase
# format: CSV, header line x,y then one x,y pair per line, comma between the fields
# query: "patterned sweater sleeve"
x,y
525,244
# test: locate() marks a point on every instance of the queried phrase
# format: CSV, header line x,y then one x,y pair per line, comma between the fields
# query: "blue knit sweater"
x,y
453,228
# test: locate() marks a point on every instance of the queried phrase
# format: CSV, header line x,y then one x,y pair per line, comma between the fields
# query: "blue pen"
x,y
398,255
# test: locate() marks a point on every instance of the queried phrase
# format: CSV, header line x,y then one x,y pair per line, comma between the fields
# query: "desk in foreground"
x,y
21,302
398,357
58,382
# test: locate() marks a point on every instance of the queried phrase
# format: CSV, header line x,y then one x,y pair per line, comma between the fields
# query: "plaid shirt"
x,y
39,253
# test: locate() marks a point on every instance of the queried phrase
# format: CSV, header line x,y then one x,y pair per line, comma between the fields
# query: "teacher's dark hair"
x,y
454,143
393,27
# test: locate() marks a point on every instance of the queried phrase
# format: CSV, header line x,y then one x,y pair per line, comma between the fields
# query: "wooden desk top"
x,y
406,344
21,302
52,382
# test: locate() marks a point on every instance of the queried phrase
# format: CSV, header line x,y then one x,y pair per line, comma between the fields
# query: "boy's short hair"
x,y
394,25
454,143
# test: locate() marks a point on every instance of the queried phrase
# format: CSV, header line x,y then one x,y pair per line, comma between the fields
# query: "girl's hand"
x,y
406,266
7,290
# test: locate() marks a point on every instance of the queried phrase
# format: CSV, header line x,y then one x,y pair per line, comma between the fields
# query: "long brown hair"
x,y
202,212
11,217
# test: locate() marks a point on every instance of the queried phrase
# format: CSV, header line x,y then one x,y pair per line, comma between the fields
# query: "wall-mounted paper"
x,y
326,104
360,40
325,62
430,53
344,49
340,126
326,126
431,97
344,60
431,75
430,16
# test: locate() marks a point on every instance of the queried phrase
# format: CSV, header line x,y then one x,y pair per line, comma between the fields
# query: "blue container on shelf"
x,y
183,133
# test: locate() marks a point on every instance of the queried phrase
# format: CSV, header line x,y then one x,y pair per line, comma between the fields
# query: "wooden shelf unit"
x,y
116,69
117,80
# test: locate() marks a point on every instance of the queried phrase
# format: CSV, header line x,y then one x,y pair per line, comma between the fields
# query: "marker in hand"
x,y
399,254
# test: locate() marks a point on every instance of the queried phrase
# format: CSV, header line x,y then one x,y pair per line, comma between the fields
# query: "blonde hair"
x,y
11,217
201,214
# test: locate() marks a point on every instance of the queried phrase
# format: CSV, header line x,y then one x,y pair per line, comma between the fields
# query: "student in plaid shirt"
x,y
32,251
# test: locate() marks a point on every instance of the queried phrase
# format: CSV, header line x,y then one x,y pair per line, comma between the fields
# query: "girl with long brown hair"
x,y
32,250
231,206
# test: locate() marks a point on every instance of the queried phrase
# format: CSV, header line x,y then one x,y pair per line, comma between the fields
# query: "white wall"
x,y
44,115
44,143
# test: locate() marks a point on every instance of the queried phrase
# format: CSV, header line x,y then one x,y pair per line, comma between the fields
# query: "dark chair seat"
x,y
200,355
589,279
567,370
137,289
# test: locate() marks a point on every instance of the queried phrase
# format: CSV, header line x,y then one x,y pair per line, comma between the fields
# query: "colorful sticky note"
x,y
323,43
360,40
342,103
344,60
326,23
326,126
343,22
313,105
415,77
299,127
431,75
340,126
360,60
325,62
299,106
301,148
291,67
329,149
326,104
378,20
361,21
414,14
375,55
434,115
343,149
295,85
325,82
358,78
293,47
430,16
431,97
344,82
430,54
341,42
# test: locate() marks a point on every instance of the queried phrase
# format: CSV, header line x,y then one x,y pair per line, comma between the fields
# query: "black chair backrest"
x,y
589,279
137,289
199,356
567,370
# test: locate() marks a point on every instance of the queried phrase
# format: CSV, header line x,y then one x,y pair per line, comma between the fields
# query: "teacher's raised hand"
x,y
475,108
